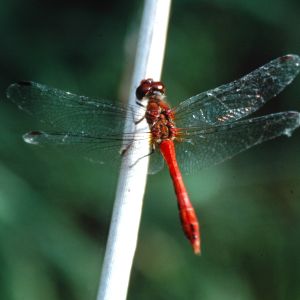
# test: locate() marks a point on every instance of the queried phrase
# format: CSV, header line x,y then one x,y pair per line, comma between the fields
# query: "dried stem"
x,y
126,216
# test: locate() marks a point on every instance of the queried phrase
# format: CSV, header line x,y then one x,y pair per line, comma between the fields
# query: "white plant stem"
x,y
123,233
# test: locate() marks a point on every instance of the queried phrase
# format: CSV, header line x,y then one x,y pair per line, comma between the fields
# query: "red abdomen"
x,y
187,213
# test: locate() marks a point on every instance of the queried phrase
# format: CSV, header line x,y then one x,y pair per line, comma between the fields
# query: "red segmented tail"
x,y
187,213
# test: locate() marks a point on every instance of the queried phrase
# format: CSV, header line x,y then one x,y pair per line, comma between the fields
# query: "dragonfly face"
x,y
148,87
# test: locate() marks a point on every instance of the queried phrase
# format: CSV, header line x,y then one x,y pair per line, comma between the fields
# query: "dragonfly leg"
x,y
140,104
124,149
140,120
150,153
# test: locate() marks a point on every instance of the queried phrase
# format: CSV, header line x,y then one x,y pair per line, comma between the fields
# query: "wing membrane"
x,y
230,102
95,149
95,127
62,111
213,145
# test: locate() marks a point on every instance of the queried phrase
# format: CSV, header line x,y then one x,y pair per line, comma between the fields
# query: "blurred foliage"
x,y
55,208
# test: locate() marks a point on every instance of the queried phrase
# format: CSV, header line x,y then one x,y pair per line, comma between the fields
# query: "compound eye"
x,y
148,87
144,88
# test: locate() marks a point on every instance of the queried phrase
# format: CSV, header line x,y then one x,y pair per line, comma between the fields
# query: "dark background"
x,y
55,208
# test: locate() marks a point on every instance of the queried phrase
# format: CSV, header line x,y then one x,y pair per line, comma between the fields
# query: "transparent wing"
x,y
62,111
235,100
204,147
156,163
95,127
96,149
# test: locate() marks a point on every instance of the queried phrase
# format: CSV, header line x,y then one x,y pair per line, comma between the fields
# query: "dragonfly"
x,y
201,131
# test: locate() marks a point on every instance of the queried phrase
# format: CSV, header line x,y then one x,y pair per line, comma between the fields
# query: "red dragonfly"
x,y
205,129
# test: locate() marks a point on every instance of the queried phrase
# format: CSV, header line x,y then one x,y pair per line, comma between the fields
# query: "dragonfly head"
x,y
148,88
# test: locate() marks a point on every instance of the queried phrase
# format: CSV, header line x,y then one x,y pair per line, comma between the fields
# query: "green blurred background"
x,y
55,209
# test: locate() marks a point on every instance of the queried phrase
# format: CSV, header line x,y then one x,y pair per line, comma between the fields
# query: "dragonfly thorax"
x,y
159,116
160,119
